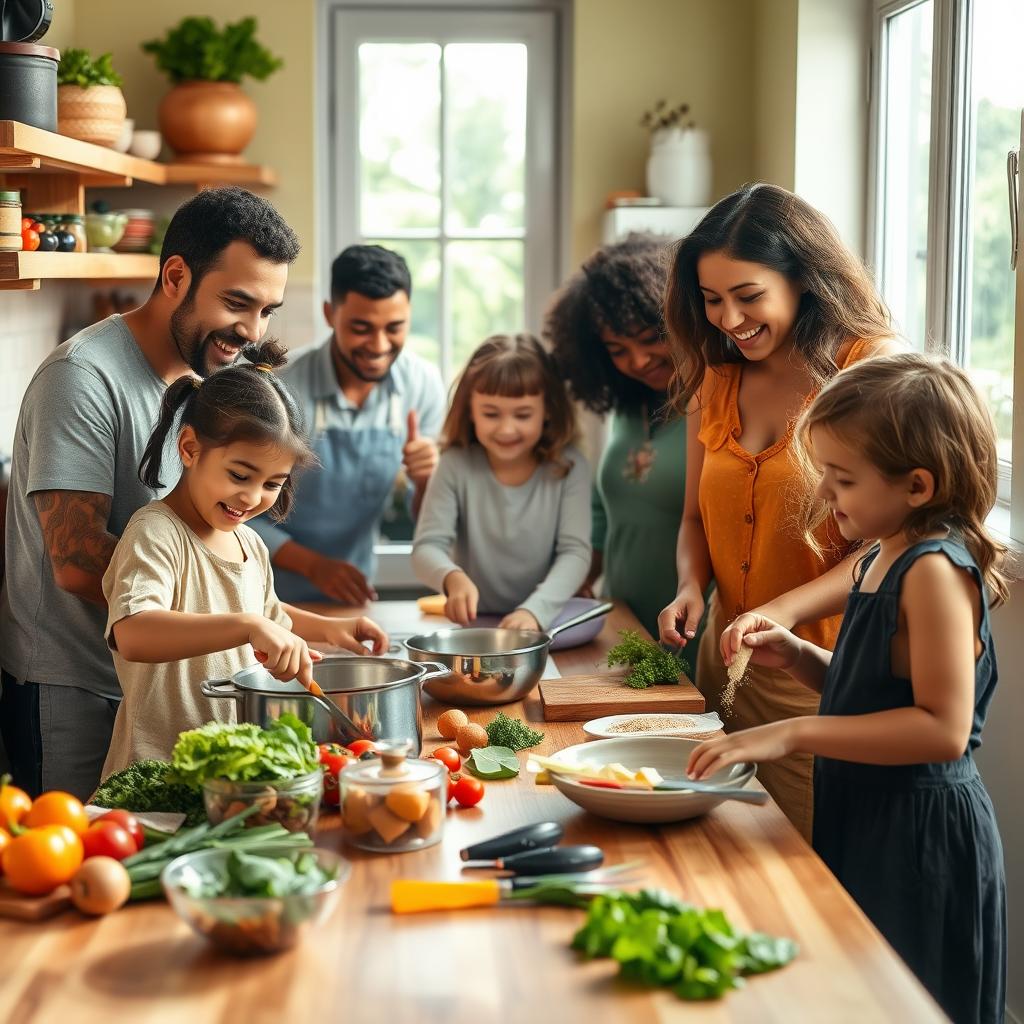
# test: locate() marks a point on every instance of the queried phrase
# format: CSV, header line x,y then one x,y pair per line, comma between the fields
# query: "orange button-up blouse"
x,y
750,509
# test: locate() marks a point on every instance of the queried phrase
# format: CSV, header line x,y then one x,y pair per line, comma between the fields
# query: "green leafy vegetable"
x,y
245,752
78,68
514,733
649,663
659,941
258,874
493,763
144,786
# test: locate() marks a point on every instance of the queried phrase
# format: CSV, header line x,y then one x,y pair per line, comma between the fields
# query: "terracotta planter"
x,y
94,114
207,122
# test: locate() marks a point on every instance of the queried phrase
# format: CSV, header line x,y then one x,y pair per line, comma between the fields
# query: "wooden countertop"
x,y
505,963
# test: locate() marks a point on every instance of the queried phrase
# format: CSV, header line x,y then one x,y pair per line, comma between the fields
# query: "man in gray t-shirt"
x,y
84,424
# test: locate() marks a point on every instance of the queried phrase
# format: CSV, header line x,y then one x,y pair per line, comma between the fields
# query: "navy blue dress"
x,y
916,845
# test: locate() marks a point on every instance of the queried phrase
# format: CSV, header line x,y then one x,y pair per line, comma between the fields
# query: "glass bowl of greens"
x,y
293,803
255,903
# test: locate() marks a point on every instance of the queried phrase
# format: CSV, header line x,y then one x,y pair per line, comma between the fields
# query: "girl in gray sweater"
x,y
505,522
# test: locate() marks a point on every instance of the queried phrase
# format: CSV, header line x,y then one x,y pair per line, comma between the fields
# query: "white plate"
x,y
598,728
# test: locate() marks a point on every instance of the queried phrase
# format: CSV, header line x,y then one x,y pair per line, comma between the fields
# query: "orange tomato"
x,y
57,808
5,841
39,860
14,804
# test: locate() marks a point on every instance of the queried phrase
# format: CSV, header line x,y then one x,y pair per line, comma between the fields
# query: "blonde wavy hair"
x,y
906,412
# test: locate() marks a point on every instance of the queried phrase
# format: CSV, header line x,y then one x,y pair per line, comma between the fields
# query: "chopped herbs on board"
x,y
649,663
514,733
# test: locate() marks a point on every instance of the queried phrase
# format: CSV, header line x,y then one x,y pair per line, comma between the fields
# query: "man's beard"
x,y
192,344
362,374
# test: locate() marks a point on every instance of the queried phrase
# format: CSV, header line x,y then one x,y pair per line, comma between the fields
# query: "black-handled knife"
x,y
540,836
555,861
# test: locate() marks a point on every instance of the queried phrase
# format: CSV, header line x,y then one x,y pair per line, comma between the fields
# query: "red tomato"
x,y
129,822
108,839
333,758
14,803
449,757
361,746
39,860
57,808
26,222
29,239
5,841
468,792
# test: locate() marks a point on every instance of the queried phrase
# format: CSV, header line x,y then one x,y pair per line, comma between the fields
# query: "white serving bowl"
x,y
146,145
124,140
667,754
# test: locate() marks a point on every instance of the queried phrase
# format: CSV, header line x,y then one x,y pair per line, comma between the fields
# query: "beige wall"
x,y
285,137
629,54
775,64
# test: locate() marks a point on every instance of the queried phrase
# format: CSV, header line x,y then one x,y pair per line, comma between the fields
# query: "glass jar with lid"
x,y
393,803
74,224
10,221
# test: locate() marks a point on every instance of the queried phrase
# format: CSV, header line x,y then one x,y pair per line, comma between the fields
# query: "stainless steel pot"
x,y
488,666
380,697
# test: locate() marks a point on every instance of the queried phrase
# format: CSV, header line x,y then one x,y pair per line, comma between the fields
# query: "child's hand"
x,y
773,645
520,619
283,654
350,634
463,598
763,743
419,454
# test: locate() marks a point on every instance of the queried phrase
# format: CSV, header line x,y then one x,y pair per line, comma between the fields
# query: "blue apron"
x,y
339,503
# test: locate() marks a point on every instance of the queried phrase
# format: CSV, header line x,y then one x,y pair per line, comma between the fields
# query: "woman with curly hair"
x,y
605,329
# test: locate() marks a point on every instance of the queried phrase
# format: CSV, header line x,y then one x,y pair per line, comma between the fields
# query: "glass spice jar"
x,y
74,224
10,221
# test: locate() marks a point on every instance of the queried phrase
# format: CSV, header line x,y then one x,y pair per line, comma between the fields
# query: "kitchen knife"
x,y
540,836
557,860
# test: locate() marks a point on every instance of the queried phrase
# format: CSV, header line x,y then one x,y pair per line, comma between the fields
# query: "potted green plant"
x,y
207,117
90,104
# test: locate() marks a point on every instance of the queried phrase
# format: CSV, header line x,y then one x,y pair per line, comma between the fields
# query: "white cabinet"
x,y
674,221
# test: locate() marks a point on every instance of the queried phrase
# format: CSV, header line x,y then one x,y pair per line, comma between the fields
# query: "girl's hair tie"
x,y
265,367
197,383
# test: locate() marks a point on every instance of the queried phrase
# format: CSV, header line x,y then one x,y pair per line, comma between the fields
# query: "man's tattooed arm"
x,y
80,546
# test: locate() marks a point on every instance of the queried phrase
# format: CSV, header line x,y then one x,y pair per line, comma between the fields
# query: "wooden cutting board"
x,y
33,908
581,698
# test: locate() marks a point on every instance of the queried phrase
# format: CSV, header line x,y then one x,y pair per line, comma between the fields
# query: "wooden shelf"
x,y
24,270
54,171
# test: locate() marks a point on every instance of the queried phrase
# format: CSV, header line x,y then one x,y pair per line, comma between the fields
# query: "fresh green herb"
x,y
144,867
144,786
258,874
78,68
649,663
658,940
195,49
493,763
514,733
245,752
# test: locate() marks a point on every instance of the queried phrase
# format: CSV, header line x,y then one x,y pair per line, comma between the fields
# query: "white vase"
x,y
679,167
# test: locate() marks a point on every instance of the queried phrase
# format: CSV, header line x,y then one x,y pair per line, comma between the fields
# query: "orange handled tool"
x,y
410,897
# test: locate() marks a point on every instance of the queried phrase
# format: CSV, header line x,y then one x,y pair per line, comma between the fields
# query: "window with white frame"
x,y
444,149
947,100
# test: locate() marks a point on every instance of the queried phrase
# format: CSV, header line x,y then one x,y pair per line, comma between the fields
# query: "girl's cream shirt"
x,y
159,564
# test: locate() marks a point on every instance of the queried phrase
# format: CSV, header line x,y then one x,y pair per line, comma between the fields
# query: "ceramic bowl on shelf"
x,y
138,232
668,755
146,144
125,138
104,230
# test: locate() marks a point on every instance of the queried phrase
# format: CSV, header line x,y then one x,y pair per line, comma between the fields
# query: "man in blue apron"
x,y
371,409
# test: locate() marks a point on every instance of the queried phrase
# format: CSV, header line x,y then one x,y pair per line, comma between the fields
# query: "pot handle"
x,y
437,670
220,688
578,620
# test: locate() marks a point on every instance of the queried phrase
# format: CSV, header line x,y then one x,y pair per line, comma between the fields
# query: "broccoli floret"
x,y
143,786
649,663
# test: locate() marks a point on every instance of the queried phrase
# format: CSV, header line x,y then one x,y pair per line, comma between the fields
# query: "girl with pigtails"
x,y
189,588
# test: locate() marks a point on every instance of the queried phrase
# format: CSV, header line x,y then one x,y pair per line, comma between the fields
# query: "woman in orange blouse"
x,y
765,304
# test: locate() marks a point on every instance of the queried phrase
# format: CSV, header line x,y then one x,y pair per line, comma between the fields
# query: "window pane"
x,y
424,259
399,131
486,289
906,134
485,109
997,94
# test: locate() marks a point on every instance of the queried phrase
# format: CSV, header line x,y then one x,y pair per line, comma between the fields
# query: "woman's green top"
x,y
637,508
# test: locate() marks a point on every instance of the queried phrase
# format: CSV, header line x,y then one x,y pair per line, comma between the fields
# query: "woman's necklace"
x,y
640,461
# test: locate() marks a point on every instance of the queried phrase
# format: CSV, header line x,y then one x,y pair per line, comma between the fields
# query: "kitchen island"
x,y
509,963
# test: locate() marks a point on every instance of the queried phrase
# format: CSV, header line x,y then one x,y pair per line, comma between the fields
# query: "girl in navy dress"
x,y
902,450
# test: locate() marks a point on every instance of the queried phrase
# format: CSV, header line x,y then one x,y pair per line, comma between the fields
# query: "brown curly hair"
x,y
767,224
619,288
906,412
513,365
